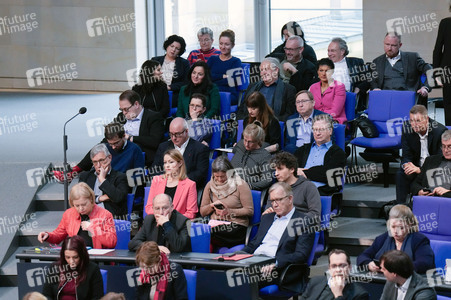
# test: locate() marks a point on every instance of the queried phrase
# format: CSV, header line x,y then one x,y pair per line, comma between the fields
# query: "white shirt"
x,y
131,127
402,290
183,147
168,71
271,241
424,147
304,133
341,73
393,60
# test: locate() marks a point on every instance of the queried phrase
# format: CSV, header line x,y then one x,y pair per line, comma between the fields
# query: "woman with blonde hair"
x,y
402,234
175,183
93,223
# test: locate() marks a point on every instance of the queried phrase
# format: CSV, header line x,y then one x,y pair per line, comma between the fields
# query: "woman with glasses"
x,y
329,94
224,64
173,66
152,89
205,37
176,184
159,279
91,222
260,111
199,82
227,197
199,127
73,276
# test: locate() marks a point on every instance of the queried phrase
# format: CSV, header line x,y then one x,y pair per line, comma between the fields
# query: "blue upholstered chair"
x,y
104,274
146,195
172,111
226,102
442,251
339,135
200,237
350,116
123,229
433,214
191,281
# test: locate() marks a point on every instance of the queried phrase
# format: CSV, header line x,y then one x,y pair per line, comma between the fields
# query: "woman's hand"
x,y
42,236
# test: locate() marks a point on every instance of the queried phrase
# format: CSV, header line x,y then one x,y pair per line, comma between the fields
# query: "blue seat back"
x,y
191,281
326,207
146,196
239,131
245,78
230,155
172,111
104,274
282,134
200,237
130,200
350,106
226,102
433,215
123,229
339,134
442,251
216,137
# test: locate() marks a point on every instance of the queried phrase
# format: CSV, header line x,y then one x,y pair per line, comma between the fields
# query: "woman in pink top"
x,y
330,95
176,184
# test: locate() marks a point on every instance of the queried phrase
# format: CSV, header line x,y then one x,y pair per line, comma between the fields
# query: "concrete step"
x,y
51,196
42,221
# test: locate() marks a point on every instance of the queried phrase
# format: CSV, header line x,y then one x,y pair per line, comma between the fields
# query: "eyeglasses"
x,y
126,110
320,129
204,41
272,201
112,144
291,49
196,106
100,161
176,134
303,101
446,147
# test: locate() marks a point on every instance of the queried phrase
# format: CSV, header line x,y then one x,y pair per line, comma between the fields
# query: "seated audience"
x,y
298,127
200,128
251,160
260,111
94,224
110,186
288,30
166,227
159,278
421,137
306,198
194,153
278,94
205,38
221,65
435,175
402,234
297,71
73,276
174,67
227,198
176,184
199,81
275,238
402,281
337,284
152,89
329,94
316,158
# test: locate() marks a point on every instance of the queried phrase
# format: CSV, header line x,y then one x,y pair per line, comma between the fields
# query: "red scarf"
x,y
162,275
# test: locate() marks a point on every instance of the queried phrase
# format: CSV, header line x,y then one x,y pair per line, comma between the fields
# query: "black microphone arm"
x,y
81,111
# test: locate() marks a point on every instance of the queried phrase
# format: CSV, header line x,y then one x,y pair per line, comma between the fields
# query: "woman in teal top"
x,y
199,82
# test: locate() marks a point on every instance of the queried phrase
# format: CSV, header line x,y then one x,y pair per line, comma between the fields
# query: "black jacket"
x,y
419,289
90,288
305,76
318,288
175,233
157,100
422,179
115,186
181,69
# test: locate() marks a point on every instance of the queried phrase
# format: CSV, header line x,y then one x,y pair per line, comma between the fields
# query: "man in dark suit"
x,y
110,186
402,281
298,127
297,71
421,137
167,227
337,284
278,94
435,176
194,153
316,158
284,233
398,70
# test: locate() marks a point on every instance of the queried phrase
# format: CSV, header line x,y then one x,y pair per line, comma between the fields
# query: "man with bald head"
x,y
167,227
194,153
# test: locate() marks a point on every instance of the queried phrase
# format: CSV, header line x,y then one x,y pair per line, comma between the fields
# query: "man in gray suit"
x,y
402,281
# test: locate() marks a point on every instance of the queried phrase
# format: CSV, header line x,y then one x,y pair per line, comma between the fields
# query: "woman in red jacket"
x,y
176,184
94,224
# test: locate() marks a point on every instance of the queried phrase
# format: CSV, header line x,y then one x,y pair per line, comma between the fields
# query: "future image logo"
x,y
394,127
236,77
412,24
109,25
48,75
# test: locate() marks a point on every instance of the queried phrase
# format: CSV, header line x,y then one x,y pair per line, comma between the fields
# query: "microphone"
x,y
82,110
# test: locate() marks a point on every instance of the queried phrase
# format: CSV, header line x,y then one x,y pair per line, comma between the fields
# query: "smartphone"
x,y
428,190
219,206
377,262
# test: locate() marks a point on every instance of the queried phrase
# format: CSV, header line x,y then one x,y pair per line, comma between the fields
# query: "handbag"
x,y
367,127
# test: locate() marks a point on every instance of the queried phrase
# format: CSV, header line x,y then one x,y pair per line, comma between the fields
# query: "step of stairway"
x,y
42,221
9,293
51,197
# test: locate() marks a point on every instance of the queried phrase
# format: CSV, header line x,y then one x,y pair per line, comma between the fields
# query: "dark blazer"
x,y
413,65
305,76
175,233
318,289
90,288
335,157
151,133
157,100
273,133
283,100
291,130
181,69
410,140
176,289
423,256
115,186
418,289
421,181
356,67
196,160
441,56
294,248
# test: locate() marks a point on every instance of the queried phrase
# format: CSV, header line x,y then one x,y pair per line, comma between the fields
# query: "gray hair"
x,y
394,34
297,38
446,136
255,131
324,117
205,30
99,148
341,44
163,195
221,164
419,109
285,186
273,62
